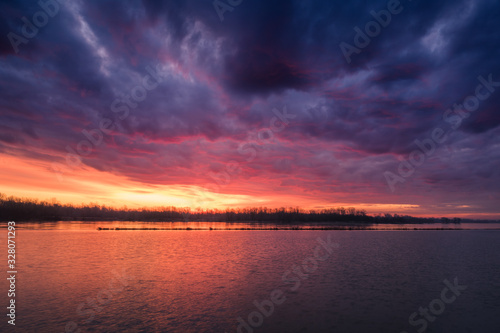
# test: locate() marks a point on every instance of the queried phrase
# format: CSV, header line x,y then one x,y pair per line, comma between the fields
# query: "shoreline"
x,y
280,229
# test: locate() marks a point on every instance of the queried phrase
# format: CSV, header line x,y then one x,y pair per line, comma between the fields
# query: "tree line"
x,y
26,209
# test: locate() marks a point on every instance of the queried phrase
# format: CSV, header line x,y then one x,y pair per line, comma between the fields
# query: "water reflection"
x,y
202,281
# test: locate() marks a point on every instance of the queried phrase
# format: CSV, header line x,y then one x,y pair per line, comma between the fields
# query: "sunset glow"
x,y
169,107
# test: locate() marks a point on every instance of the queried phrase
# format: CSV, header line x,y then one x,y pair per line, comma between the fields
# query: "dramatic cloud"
x,y
262,108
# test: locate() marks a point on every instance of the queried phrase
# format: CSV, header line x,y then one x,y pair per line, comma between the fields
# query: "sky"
x,y
386,106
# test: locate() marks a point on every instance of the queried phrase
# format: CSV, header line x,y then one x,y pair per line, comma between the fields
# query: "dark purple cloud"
x,y
223,79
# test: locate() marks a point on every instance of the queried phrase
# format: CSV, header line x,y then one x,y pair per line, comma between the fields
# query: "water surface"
x,y
93,225
203,281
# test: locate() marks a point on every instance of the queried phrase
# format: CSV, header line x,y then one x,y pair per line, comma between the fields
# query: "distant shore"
x,y
32,210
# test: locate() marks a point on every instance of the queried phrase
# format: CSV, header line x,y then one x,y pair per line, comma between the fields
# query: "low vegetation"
x,y
23,209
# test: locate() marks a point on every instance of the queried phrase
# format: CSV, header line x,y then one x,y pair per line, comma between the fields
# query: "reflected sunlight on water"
x,y
200,281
